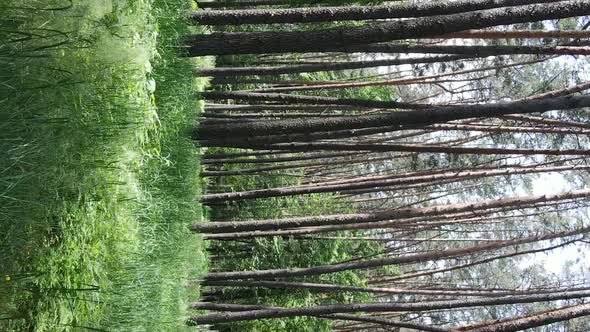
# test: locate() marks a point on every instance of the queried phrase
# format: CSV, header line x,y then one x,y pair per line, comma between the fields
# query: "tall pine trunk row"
x,y
392,165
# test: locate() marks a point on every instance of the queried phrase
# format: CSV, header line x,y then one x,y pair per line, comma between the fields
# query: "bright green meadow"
x,y
98,175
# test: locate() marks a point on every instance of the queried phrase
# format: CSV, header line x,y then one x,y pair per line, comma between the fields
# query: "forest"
x,y
295,165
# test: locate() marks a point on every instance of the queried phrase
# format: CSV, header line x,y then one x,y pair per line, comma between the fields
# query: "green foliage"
x,y
282,252
384,93
98,179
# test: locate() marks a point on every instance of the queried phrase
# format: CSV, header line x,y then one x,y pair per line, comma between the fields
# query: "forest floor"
x,y
98,175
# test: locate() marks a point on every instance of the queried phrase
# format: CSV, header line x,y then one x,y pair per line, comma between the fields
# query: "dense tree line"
x,y
354,187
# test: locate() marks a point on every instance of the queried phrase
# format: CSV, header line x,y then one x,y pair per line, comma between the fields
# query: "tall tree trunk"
x,y
334,39
471,50
352,13
360,318
336,161
308,147
510,129
380,262
473,263
393,214
372,183
425,116
381,307
398,223
276,107
496,34
549,122
387,322
535,320
328,66
435,78
258,141
224,155
241,3
275,159
322,287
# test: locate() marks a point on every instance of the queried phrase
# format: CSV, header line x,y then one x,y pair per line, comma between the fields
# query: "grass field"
x,y
98,176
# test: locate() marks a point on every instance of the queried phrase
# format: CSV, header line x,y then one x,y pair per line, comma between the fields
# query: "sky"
x,y
551,183
555,260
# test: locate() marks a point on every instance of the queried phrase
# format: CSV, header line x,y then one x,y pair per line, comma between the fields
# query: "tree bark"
x,y
535,320
475,50
546,121
391,82
275,159
399,223
277,107
380,262
257,170
308,147
424,116
510,129
381,307
360,318
241,3
372,183
393,214
258,141
496,34
352,13
322,287
334,39
388,322
311,68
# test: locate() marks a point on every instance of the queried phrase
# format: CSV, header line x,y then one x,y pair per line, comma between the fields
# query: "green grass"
x,y
98,176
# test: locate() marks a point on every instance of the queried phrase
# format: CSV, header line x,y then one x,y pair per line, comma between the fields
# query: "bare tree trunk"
x,y
510,129
241,3
276,107
308,147
352,13
531,321
414,148
393,214
226,307
473,263
380,290
397,223
337,161
382,307
334,39
549,122
391,82
496,34
471,50
372,183
379,262
427,115
310,68
275,159
387,322
224,155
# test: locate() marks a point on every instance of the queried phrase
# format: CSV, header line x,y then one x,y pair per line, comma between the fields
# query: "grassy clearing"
x,y
98,177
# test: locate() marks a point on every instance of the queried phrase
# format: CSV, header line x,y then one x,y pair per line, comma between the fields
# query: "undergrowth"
x,y
282,252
